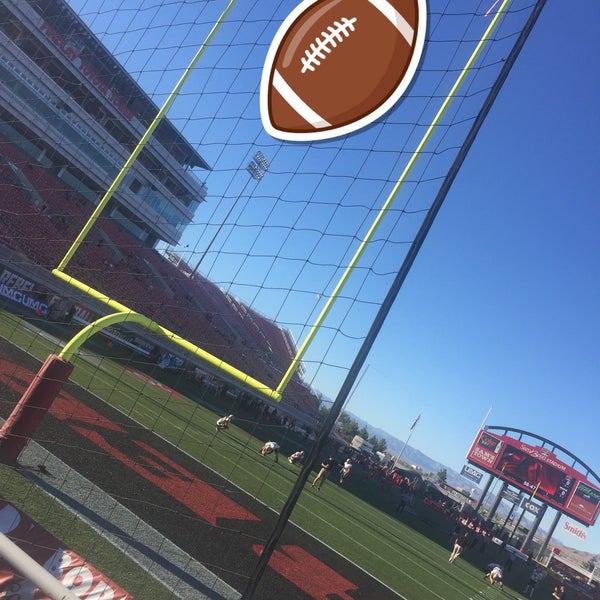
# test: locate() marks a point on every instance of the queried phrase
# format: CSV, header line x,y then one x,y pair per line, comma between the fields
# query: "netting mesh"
x,y
322,196
239,261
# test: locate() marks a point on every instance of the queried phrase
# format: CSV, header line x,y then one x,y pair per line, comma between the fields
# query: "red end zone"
x,y
303,567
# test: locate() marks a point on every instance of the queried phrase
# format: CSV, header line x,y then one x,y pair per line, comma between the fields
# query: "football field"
x,y
157,453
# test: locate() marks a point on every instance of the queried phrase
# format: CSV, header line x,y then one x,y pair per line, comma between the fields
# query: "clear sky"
x,y
501,306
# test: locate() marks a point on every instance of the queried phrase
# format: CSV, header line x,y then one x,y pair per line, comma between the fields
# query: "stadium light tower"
x,y
257,168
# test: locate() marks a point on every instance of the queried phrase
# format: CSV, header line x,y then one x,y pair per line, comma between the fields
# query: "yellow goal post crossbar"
x,y
125,315
276,393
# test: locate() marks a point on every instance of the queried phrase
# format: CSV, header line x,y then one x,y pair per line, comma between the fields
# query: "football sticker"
x,y
335,66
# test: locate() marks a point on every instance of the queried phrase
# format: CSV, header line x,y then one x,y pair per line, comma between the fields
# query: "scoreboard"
x,y
539,472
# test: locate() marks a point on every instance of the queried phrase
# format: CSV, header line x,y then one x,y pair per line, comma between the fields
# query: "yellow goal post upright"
x,y
353,372
131,316
122,312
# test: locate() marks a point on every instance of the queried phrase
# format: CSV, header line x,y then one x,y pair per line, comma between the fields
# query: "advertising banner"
x,y
81,578
511,496
471,473
531,506
485,450
575,530
40,300
585,502
23,292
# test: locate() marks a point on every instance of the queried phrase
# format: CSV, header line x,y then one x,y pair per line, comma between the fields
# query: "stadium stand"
x,y
39,219
62,141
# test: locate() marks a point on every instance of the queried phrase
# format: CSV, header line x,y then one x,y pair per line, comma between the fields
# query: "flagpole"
x,y
397,459
487,416
483,423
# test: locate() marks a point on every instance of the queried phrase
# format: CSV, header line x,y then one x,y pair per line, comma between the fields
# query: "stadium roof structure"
x,y
62,17
69,104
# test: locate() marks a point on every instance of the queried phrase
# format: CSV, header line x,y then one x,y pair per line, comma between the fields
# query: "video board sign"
x,y
537,471
484,451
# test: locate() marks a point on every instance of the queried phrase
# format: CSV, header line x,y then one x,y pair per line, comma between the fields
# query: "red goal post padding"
x,y
32,406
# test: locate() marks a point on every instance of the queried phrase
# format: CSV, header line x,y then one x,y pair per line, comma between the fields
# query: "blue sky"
x,y
501,306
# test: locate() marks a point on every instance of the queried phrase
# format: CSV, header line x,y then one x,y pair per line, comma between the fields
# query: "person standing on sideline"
x,y
455,534
536,576
345,470
269,447
223,422
323,474
559,592
508,563
460,543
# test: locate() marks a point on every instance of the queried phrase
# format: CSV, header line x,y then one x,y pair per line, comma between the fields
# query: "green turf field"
x,y
79,537
407,552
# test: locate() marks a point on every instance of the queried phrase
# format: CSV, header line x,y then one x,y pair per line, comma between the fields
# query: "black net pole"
x,y
384,310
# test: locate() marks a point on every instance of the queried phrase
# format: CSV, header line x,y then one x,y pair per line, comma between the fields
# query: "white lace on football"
x,y
322,46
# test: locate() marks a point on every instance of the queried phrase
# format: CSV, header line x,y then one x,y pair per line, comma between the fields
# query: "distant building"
x,y
361,445
68,104
382,457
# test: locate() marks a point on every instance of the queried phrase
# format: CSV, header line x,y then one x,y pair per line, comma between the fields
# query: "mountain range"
x,y
415,457
412,456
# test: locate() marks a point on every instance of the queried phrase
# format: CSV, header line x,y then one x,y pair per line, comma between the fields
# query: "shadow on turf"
x,y
256,429
441,536
461,577
112,529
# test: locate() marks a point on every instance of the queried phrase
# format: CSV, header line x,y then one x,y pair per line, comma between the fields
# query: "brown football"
x,y
334,66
